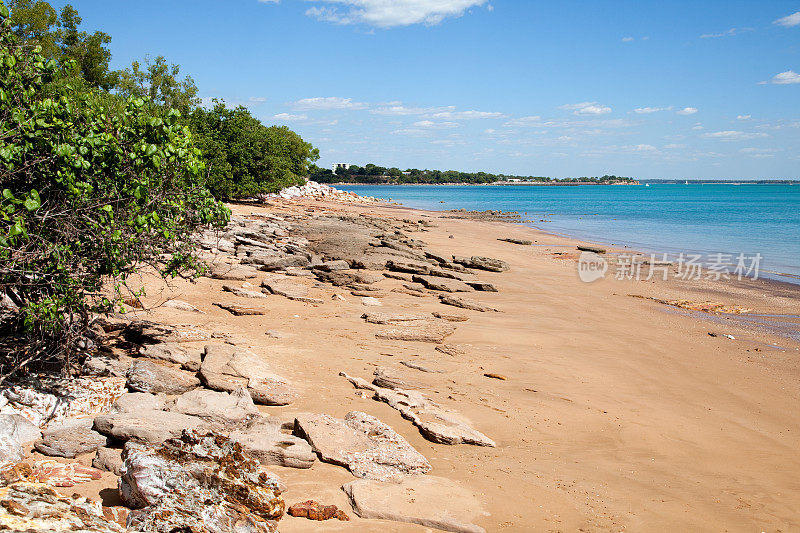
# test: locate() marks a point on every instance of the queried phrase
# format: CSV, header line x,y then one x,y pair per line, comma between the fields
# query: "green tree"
x,y
159,81
87,197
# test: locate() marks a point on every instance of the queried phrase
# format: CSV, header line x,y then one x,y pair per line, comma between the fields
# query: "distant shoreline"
x,y
573,184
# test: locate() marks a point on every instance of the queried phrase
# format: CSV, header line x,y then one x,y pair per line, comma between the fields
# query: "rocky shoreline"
x,y
180,423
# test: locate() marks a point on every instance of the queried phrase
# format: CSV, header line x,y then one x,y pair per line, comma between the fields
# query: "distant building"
x,y
341,166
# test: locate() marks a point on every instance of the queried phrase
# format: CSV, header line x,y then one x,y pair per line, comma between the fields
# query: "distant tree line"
x,y
374,174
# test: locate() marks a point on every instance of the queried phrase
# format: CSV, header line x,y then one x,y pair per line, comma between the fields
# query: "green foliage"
x,y
159,82
244,158
89,194
86,55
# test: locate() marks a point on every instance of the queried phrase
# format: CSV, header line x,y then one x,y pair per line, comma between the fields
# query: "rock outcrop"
x,y
363,444
198,482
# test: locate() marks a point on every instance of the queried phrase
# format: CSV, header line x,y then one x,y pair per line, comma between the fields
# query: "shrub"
x,y
89,195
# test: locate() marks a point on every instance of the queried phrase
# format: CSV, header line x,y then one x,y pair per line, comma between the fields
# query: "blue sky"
x,y
646,89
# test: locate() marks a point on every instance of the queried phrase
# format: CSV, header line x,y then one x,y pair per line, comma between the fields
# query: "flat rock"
x,y
281,263
180,305
521,242
108,459
464,303
376,317
442,284
244,293
286,287
240,309
450,317
429,331
425,500
436,423
421,368
265,442
363,444
389,378
149,375
228,368
409,267
145,425
147,332
587,248
131,402
173,352
370,301
482,286
236,407
103,365
70,443
330,266
228,272
449,349
482,263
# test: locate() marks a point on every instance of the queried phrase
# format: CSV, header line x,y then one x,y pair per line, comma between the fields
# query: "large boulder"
x,y
18,428
150,375
227,368
265,441
146,425
221,407
363,444
429,501
70,443
198,482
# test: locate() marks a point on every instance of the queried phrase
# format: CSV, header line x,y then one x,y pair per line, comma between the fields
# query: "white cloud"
x,y
467,115
627,39
531,120
786,78
390,13
435,125
645,148
732,135
729,33
687,111
760,153
398,109
789,21
587,108
257,99
286,117
743,117
698,127
329,102
648,110
269,1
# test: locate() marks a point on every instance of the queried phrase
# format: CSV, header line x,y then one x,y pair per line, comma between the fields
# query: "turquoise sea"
x,y
702,219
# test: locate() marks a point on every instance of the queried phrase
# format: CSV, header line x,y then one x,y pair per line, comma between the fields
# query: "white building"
x,y
342,166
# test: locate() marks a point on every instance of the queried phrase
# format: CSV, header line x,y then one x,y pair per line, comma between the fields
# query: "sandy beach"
x,y
612,412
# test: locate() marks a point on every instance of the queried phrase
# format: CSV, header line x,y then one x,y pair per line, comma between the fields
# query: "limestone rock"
x,y
132,402
239,309
449,349
146,426
482,263
244,293
389,378
232,272
286,287
180,305
70,443
425,500
330,266
18,428
228,368
108,459
282,262
363,444
434,422
442,284
408,267
482,286
10,450
198,482
392,318
428,331
450,317
370,301
37,507
50,472
146,332
146,375
265,442
102,365
173,352
213,406
464,303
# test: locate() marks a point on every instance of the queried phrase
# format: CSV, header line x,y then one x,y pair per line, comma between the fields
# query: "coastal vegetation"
x,y
103,172
374,174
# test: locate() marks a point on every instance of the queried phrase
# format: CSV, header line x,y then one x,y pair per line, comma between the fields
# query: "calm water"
x,y
694,218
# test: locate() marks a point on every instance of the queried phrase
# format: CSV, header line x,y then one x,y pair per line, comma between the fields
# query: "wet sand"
x,y
618,412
